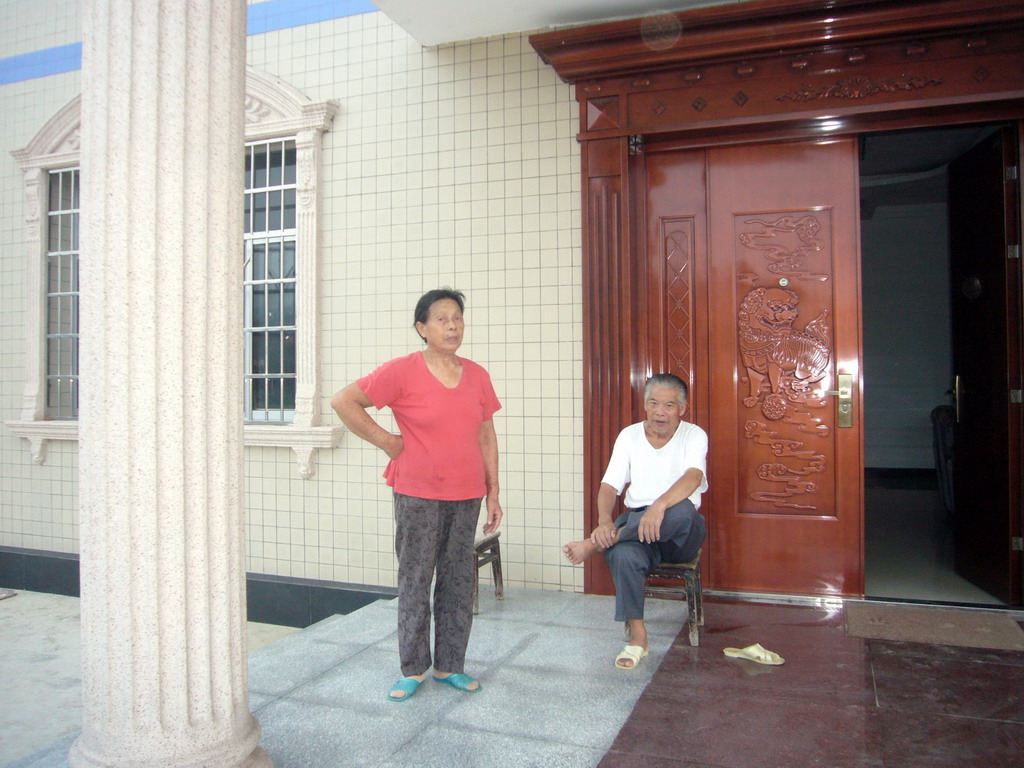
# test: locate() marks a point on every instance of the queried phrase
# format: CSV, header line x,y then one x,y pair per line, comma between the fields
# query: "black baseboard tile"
x,y
272,602
327,602
295,602
37,570
284,600
12,569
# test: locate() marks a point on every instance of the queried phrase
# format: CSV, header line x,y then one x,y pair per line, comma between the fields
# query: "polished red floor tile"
x,y
963,687
843,675
837,702
910,740
751,732
630,760
950,653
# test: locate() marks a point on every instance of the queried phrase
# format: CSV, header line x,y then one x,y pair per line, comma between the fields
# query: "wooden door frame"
x,y
761,71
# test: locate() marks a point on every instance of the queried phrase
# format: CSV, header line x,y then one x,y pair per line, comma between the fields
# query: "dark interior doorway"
x,y
908,364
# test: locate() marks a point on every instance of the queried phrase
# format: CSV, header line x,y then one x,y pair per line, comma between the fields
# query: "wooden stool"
x,y
689,590
488,550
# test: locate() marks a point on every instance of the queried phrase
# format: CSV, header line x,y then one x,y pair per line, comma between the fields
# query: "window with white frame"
x,y
270,280
62,295
284,130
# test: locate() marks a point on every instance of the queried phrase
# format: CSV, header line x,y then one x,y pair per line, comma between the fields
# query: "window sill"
x,y
305,441
39,432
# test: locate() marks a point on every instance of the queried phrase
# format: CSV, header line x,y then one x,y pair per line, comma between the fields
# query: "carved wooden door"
x,y
783,311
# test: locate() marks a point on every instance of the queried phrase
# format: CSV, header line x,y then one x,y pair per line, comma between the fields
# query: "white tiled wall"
x,y
450,166
38,504
27,27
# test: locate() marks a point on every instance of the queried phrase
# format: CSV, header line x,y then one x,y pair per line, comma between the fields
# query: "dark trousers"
x,y
434,537
630,560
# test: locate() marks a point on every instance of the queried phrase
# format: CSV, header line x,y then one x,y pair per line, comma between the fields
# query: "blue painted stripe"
x,y
50,61
262,17
282,14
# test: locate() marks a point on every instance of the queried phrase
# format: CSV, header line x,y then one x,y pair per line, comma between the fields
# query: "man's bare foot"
x,y
578,551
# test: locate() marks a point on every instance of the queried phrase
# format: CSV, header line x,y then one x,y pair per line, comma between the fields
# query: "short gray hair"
x,y
667,380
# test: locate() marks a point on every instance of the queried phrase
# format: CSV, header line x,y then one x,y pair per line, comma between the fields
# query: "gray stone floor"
x,y
551,696
40,669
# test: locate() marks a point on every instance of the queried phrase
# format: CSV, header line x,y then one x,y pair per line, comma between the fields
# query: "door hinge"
x,y
1011,173
636,144
1015,396
1013,251
1018,544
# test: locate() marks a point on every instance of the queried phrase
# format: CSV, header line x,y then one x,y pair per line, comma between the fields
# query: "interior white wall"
x,y
905,271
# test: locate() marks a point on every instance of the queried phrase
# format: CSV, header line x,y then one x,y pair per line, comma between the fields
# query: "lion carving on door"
x,y
782,362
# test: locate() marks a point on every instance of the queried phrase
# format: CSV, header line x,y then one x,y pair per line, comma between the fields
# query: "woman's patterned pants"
x,y
431,537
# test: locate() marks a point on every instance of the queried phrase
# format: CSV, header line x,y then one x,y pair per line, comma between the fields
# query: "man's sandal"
x,y
755,652
460,681
407,685
632,654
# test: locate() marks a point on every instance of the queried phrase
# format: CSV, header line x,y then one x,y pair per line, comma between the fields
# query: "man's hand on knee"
x,y
649,530
605,535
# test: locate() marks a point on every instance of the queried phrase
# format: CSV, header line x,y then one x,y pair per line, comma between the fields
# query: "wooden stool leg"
x,y
691,607
699,598
694,635
476,592
499,584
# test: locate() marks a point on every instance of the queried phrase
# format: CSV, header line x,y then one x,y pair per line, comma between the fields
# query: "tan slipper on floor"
x,y
633,653
755,653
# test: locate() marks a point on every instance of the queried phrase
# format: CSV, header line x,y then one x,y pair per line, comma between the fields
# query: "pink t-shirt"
x,y
439,426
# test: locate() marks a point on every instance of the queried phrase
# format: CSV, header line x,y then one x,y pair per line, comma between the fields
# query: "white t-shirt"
x,y
651,471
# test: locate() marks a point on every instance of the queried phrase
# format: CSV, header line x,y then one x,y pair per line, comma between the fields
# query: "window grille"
x,y
62,295
284,132
270,274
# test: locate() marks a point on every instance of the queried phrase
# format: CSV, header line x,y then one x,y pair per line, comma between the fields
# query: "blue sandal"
x,y
460,681
408,685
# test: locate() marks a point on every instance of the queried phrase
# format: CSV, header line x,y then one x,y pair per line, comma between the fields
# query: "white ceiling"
x,y
434,22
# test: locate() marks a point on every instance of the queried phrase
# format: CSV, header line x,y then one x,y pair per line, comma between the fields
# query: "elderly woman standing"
x,y
443,462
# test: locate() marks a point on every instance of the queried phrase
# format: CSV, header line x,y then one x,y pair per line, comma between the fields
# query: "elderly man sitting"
x,y
662,460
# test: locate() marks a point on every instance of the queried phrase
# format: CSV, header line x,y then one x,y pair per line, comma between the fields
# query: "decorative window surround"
x,y
38,433
305,441
273,109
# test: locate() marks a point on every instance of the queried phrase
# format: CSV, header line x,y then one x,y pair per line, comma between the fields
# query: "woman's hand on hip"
x,y
394,446
494,514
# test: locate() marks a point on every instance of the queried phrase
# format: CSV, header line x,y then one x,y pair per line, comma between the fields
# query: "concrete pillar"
x,y
162,549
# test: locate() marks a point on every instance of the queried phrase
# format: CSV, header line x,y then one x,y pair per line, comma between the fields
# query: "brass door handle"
x,y
845,395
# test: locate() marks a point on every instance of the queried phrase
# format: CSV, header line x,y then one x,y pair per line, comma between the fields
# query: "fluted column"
x,y
163,587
